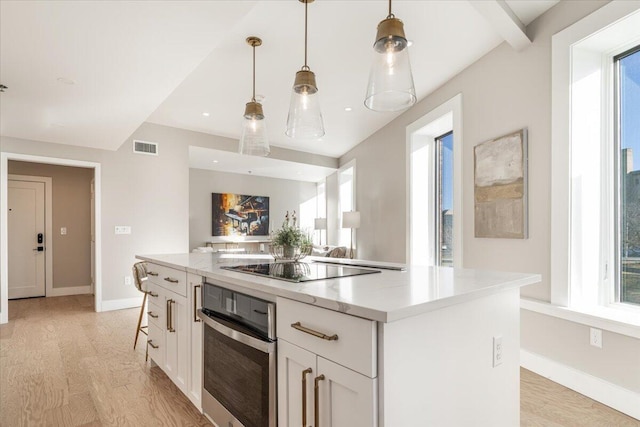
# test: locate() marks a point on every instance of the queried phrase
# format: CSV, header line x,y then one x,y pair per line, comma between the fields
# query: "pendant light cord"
x,y
253,98
305,67
390,15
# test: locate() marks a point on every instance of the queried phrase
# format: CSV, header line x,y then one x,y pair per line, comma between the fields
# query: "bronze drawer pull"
x,y
170,325
153,295
152,273
171,280
150,342
150,313
195,304
304,396
301,328
316,399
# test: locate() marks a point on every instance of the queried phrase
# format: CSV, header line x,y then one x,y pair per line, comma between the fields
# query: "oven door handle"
x,y
263,346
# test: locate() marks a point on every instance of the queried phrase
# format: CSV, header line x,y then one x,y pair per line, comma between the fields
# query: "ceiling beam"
x,y
504,21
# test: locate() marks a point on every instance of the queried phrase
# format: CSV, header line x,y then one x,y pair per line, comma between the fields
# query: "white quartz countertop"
x,y
385,297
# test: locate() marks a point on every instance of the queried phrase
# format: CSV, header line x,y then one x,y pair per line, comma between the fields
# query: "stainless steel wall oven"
x,y
239,358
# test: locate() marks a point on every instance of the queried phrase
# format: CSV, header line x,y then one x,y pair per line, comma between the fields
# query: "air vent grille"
x,y
144,147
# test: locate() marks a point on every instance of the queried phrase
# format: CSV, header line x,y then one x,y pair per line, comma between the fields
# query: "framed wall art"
x,y
500,187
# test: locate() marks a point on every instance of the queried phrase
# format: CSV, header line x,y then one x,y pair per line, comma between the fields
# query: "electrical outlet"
x,y
63,231
128,280
497,350
595,337
123,229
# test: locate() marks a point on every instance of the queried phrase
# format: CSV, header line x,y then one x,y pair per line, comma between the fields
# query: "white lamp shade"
x,y
350,219
320,223
254,140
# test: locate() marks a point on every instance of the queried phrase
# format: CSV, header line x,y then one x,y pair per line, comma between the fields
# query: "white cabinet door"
x,y
296,367
176,364
195,376
346,398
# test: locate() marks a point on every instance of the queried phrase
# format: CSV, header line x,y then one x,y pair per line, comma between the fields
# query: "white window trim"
x,y
454,107
350,164
561,191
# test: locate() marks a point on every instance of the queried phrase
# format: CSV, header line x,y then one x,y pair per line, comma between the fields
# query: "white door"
x,y
93,236
347,398
296,371
26,212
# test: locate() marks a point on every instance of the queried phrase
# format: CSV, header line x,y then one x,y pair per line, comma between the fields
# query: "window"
x,y
434,192
594,135
627,107
444,199
347,194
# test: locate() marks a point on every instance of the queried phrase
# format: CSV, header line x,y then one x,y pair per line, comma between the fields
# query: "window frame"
x,y
438,240
342,240
616,294
565,291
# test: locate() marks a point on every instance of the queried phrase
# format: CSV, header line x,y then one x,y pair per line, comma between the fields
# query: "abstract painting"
x,y
500,187
237,215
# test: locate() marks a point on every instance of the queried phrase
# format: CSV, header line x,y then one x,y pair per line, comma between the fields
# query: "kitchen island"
x,y
426,346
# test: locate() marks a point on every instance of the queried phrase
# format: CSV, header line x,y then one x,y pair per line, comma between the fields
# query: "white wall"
x,y
284,195
503,91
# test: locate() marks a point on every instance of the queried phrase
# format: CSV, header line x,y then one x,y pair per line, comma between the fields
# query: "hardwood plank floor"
x,y
62,364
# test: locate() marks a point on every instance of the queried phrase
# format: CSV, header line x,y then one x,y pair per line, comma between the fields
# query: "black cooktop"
x,y
300,271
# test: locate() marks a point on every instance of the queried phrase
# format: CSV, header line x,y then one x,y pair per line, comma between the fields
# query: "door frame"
x,y
4,181
48,228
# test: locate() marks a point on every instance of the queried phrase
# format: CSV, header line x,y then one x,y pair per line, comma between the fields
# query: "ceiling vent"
x,y
144,147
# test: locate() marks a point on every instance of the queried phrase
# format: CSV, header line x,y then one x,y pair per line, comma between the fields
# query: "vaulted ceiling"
x,y
89,73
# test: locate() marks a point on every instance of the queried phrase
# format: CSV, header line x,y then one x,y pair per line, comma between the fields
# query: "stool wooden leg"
x,y
144,301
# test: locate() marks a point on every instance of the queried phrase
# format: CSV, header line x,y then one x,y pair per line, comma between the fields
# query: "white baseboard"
x,y
72,290
620,399
119,304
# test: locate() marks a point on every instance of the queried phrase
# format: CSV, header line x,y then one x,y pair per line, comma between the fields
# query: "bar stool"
x,y
139,277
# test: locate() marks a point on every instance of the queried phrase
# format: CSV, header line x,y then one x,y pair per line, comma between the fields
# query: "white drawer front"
x,y
156,344
169,278
156,313
355,346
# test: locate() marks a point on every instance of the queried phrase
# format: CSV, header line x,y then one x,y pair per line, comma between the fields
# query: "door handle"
x,y
170,325
39,249
316,399
195,304
304,396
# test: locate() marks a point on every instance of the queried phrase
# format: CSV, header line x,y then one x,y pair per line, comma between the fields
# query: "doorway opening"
x,y
70,241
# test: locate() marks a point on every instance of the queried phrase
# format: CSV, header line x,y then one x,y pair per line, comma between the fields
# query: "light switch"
x,y
63,231
123,229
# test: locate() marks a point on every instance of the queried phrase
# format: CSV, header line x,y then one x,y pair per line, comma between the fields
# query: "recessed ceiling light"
x,y
409,43
215,161
66,81
260,98
348,108
206,114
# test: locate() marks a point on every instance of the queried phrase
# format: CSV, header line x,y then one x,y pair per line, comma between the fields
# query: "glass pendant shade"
x,y
305,118
254,140
390,80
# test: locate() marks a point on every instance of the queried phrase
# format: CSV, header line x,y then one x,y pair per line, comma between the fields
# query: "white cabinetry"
x,y
326,361
174,340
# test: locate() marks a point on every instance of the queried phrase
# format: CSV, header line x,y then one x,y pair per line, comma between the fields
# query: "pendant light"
x,y
254,140
305,119
390,80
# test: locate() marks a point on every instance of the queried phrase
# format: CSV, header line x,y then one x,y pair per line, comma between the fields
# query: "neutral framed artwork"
x,y
239,215
500,187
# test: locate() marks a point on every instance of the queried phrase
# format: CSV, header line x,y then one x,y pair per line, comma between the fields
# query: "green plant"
x,y
290,236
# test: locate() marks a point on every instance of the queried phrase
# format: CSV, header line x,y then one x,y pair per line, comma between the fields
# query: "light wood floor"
x,y
61,364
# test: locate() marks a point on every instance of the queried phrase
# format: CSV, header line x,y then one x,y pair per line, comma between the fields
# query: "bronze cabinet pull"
x,y
152,294
152,273
150,342
195,303
306,330
170,322
171,280
304,396
316,399
150,313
